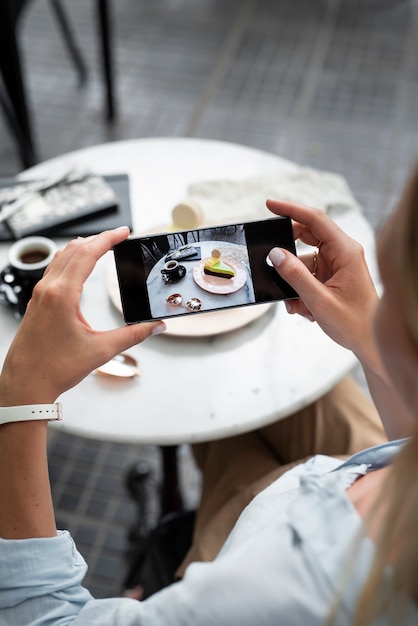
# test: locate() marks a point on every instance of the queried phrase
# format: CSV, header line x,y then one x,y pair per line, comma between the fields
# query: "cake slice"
x,y
213,266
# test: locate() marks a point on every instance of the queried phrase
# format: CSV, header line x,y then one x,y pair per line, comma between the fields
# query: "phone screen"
x,y
202,270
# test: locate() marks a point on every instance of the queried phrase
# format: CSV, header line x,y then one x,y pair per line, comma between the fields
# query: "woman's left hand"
x,y
334,284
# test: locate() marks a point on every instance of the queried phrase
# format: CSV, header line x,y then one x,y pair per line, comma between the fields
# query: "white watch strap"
x,y
29,412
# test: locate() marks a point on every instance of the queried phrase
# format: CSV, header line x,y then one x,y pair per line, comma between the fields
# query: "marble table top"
x,y
197,388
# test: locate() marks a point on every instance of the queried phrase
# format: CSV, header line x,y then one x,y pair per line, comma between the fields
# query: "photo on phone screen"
x,y
202,270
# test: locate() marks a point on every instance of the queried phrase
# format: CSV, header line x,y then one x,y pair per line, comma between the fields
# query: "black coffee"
x,y
33,256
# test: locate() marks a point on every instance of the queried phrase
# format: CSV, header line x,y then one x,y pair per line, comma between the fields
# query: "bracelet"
x,y
29,412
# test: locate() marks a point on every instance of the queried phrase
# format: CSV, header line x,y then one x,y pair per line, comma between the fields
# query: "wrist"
x,y
369,357
12,394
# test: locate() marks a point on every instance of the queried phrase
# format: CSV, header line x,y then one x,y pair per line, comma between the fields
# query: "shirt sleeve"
x,y
40,581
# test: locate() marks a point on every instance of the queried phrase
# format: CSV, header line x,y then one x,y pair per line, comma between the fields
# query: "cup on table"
x,y
28,259
30,256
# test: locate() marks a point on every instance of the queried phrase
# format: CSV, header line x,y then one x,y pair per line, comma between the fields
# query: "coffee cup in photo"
x,y
30,256
172,272
171,266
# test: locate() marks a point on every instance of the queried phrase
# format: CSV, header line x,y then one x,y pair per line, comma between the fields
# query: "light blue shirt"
x,y
283,564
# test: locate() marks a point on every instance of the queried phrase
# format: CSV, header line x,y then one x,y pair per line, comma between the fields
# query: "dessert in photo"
x,y
215,267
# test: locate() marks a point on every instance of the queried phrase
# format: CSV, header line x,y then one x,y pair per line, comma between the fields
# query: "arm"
x,y
341,298
54,349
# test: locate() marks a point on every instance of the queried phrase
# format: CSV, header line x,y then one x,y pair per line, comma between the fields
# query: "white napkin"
x,y
225,201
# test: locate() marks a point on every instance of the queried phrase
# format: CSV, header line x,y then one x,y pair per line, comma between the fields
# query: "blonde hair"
x,y
406,256
397,542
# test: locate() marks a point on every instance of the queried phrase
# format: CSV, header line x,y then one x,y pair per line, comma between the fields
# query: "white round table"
x,y
198,388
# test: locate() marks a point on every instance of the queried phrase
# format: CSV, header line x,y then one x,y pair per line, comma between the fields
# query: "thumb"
x,y
294,271
120,339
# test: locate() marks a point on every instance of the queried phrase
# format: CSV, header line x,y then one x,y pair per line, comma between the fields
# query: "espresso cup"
x,y
172,271
28,259
30,256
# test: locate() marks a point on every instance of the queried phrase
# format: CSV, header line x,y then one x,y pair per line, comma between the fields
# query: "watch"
x,y
29,412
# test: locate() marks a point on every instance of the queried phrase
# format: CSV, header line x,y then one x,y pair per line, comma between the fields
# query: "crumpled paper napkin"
x,y
222,201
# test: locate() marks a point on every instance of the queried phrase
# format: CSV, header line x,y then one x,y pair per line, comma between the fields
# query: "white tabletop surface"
x,y
194,389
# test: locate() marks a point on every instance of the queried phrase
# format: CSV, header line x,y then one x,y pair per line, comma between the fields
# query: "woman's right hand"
x,y
55,347
341,296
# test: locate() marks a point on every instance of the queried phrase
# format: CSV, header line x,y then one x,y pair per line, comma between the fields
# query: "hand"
x,y
341,296
54,347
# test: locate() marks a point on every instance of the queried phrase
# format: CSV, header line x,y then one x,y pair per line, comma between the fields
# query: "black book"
x,y
82,206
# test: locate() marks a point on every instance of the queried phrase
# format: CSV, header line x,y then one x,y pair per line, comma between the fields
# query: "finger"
x,y
321,227
301,232
78,258
296,305
296,273
123,338
307,260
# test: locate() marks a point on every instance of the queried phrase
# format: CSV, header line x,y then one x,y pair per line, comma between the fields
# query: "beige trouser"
x,y
236,469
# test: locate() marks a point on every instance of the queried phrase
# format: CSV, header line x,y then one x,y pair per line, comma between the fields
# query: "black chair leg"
x,y
26,151
69,39
13,99
108,71
14,102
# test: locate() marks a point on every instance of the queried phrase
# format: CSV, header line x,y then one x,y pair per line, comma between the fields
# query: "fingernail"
x,y
288,306
309,317
123,228
277,256
159,328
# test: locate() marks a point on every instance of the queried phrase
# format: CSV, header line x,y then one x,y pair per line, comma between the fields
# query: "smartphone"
x,y
201,270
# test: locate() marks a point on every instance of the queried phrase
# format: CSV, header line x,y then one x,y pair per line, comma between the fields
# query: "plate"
x,y
215,284
200,325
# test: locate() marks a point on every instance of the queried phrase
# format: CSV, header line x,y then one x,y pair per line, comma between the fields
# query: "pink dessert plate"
x,y
215,284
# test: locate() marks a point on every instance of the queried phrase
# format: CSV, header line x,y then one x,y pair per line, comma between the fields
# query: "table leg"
x,y
137,478
171,498
155,553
